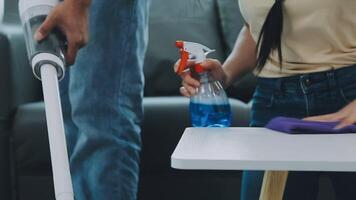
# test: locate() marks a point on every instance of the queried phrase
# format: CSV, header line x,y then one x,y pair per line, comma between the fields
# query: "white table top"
x,y
262,149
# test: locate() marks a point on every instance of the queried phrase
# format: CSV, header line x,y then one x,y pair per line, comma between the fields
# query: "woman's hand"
x,y
190,84
346,116
71,17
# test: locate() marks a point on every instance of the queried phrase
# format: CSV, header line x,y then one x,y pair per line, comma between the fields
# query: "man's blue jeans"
x,y
299,97
102,102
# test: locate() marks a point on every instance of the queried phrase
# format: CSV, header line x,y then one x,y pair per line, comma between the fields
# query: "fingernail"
x,y
338,127
38,36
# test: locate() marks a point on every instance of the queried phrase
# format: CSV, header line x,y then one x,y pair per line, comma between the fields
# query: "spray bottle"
x,y
48,64
209,107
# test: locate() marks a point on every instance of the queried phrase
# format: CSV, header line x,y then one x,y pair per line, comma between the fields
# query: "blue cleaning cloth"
x,y
298,126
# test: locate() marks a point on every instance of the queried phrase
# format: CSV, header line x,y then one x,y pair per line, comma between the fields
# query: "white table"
x,y
262,149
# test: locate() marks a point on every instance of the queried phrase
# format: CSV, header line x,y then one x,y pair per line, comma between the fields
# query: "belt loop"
x,y
331,77
302,79
278,85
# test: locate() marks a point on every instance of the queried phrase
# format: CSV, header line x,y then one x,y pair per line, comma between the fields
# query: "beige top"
x,y
318,35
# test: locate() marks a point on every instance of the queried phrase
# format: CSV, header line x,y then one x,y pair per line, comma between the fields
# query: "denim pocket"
x,y
346,80
348,92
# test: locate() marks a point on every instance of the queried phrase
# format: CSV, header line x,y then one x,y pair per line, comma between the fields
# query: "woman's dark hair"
x,y
270,35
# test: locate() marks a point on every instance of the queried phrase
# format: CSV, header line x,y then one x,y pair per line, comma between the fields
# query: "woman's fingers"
x,y
184,92
332,118
346,116
215,68
208,64
190,84
190,89
189,64
346,122
324,118
349,117
187,78
211,64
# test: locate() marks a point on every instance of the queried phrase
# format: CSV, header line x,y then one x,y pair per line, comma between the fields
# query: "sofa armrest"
x,y
30,139
5,171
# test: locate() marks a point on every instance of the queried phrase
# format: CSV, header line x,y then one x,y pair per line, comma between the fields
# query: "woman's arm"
x,y
242,58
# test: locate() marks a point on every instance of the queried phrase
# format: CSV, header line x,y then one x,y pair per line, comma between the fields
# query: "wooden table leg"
x,y
273,185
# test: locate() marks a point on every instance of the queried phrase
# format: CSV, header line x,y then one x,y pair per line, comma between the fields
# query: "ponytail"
x,y
270,35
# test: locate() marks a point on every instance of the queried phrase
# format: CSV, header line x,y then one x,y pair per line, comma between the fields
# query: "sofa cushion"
x,y
171,20
191,185
231,22
165,119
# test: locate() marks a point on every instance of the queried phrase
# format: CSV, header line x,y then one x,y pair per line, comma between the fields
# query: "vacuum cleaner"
x,y
48,64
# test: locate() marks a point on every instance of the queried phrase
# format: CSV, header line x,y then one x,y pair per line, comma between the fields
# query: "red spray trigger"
x,y
193,51
180,44
184,56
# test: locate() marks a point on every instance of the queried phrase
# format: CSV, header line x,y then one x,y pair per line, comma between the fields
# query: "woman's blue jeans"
x,y
299,97
102,102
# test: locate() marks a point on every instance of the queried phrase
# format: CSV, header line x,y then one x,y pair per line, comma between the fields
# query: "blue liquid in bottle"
x,y
208,115
210,107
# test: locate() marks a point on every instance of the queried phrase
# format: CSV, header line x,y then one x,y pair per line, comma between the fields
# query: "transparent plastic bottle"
x,y
210,107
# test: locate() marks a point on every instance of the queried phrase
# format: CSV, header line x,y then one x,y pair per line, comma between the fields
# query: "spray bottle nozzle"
x,y
180,44
195,52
